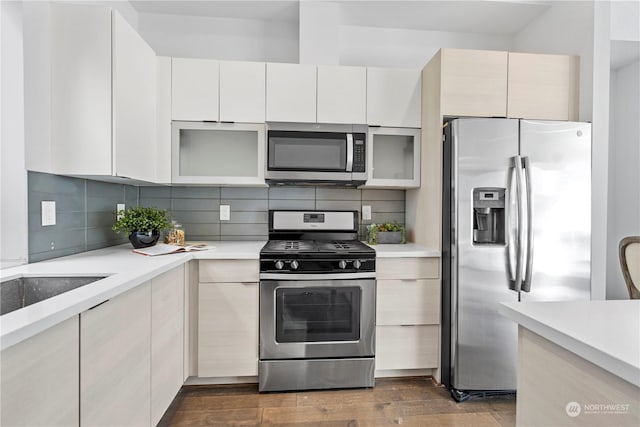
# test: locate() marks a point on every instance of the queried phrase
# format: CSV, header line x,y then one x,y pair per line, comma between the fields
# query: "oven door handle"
x,y
323,276
349,152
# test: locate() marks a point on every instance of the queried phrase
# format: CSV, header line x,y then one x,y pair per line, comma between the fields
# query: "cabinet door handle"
x,y
99,304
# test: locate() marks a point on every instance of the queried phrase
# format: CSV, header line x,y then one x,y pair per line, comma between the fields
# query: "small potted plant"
x,y
386,233
142,224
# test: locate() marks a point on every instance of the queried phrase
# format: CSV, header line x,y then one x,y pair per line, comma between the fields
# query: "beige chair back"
x,y
630,263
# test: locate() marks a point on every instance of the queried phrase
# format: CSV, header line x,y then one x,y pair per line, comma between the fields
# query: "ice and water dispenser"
x,y
488,216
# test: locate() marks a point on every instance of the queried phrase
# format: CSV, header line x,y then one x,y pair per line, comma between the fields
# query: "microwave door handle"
x,y
349,152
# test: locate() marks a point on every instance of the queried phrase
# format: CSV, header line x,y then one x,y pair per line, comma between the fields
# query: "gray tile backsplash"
x,y
198,208
85,210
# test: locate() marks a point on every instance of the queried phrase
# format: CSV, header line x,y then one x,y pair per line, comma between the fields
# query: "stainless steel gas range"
x,y
317,303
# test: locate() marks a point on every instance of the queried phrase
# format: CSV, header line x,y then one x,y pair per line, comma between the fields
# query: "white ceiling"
x,y
483,17
500,17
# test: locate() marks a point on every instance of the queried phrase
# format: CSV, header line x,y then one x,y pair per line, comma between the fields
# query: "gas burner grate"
x,y
291,245
342,245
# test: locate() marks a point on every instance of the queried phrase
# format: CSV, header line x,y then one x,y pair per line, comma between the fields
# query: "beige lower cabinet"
x,y
407,347
228,318
167,340
115,374
39,378
407,314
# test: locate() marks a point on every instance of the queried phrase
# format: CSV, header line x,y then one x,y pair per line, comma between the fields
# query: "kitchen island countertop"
x,y
606,333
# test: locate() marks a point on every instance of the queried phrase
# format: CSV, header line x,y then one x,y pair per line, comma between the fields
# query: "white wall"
x,y
13,176
220,38
624,171
392,47
625,16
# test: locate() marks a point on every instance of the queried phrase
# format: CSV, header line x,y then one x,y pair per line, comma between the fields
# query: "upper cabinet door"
x,y
474,83
134,103
394,97
242,92
194,89
291,93
81,89
543,86
342,94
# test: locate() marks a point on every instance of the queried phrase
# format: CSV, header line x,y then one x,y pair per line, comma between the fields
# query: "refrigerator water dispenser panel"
x,y
488,216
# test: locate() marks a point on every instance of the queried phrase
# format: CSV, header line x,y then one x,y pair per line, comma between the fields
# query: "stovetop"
x,y
316,256
319,247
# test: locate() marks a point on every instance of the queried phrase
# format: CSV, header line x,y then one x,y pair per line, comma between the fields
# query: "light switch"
x,y
225,212
48,211
366,212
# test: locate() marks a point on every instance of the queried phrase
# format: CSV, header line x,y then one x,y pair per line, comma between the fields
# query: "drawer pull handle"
x,y
98,305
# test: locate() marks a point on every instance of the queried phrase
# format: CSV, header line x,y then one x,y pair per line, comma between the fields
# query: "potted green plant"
x,y
386,233
142,224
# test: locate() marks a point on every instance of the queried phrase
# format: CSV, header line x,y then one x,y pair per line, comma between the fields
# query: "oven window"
x,y
323,154
318,314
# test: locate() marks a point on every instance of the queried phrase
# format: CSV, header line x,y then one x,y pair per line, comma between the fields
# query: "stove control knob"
x,y
356,264
279,265
342,264
294,265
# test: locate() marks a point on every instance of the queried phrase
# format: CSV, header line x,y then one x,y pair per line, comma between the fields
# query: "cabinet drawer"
x,y
407,268
229,270
408,302
406,347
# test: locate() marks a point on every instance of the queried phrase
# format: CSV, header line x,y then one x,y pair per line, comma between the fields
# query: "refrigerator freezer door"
x,y
559,156
483,342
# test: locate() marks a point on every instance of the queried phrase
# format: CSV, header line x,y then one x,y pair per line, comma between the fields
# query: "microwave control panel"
x,y
359,152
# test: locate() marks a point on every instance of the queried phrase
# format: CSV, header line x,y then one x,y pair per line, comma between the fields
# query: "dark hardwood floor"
x,y
415,401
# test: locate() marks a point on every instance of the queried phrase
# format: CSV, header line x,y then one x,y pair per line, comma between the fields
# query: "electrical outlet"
x,y
225,212
48,211
119,207
366,212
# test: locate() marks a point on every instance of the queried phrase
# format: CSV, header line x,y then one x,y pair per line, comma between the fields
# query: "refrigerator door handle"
x,y
526,283
517,166
511,231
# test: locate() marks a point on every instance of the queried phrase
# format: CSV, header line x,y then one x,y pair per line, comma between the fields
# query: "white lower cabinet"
x,y
407,347
167,340
228,318
407,314
39,379
115,342
228,330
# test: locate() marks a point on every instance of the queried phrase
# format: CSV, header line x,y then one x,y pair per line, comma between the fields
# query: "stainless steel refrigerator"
x,y
516,227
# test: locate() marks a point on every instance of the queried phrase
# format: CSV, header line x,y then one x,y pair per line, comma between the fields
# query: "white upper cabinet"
x,y
195,89
291,93
342,94
394,97
103,95
393,158
242,92
81,89
134,102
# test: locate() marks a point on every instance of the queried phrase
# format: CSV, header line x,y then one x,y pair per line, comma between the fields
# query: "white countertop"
x,y
606,333
125,270
408,250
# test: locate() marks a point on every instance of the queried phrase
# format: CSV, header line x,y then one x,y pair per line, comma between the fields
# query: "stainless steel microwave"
x,y
316,154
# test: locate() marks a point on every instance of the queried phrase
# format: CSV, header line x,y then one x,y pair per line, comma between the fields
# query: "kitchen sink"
x,y
24,291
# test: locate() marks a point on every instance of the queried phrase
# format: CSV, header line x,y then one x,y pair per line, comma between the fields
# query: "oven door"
x,y
317,319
